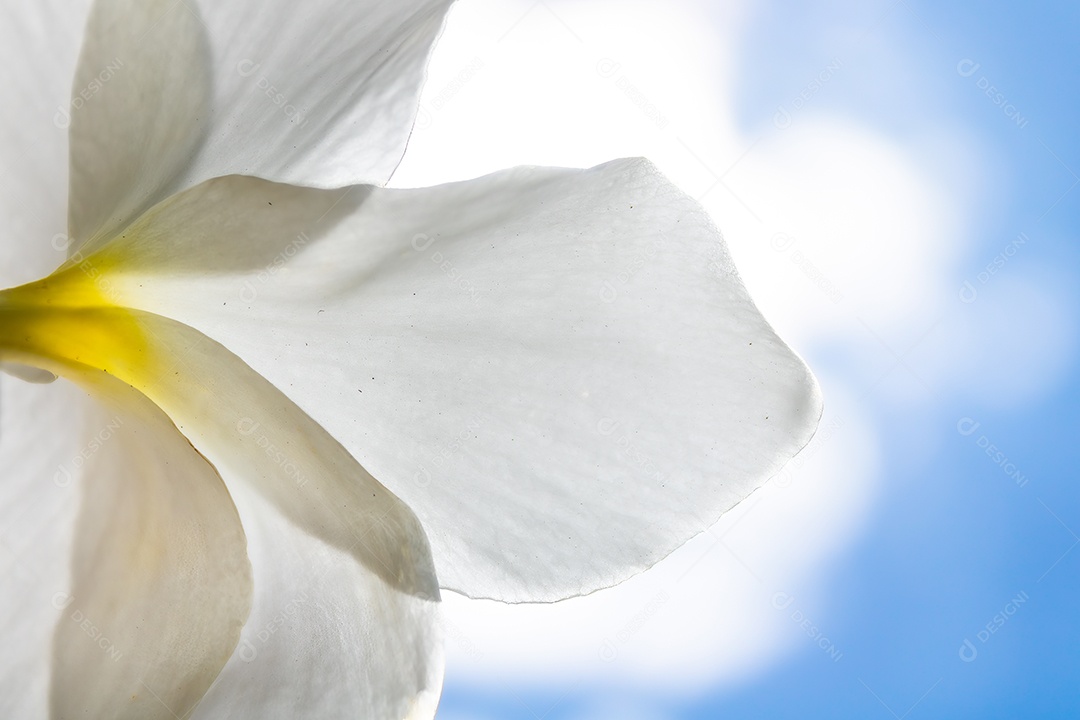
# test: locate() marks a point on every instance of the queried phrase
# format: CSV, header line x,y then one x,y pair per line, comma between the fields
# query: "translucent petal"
x,y
161,584
39,42
322,93
366,649
559,371
40,432
228,412
36,514
138,112
170,94
345,523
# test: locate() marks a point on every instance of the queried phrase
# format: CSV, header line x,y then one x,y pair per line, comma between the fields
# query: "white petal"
x,y
365,650
39,501
253,432
161,584
320,93
559,371
264,444
368,640
138,112
39,42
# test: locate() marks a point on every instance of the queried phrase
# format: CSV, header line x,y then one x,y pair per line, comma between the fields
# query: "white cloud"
x,y
612,709
1014,340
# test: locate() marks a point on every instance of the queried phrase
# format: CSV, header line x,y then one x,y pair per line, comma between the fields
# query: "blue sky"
x,y
951,586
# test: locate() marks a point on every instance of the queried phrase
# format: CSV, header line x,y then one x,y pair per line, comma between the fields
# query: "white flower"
x,y
554,377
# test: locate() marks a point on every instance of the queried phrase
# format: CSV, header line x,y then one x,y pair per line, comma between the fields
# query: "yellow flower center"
x,y
66,323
